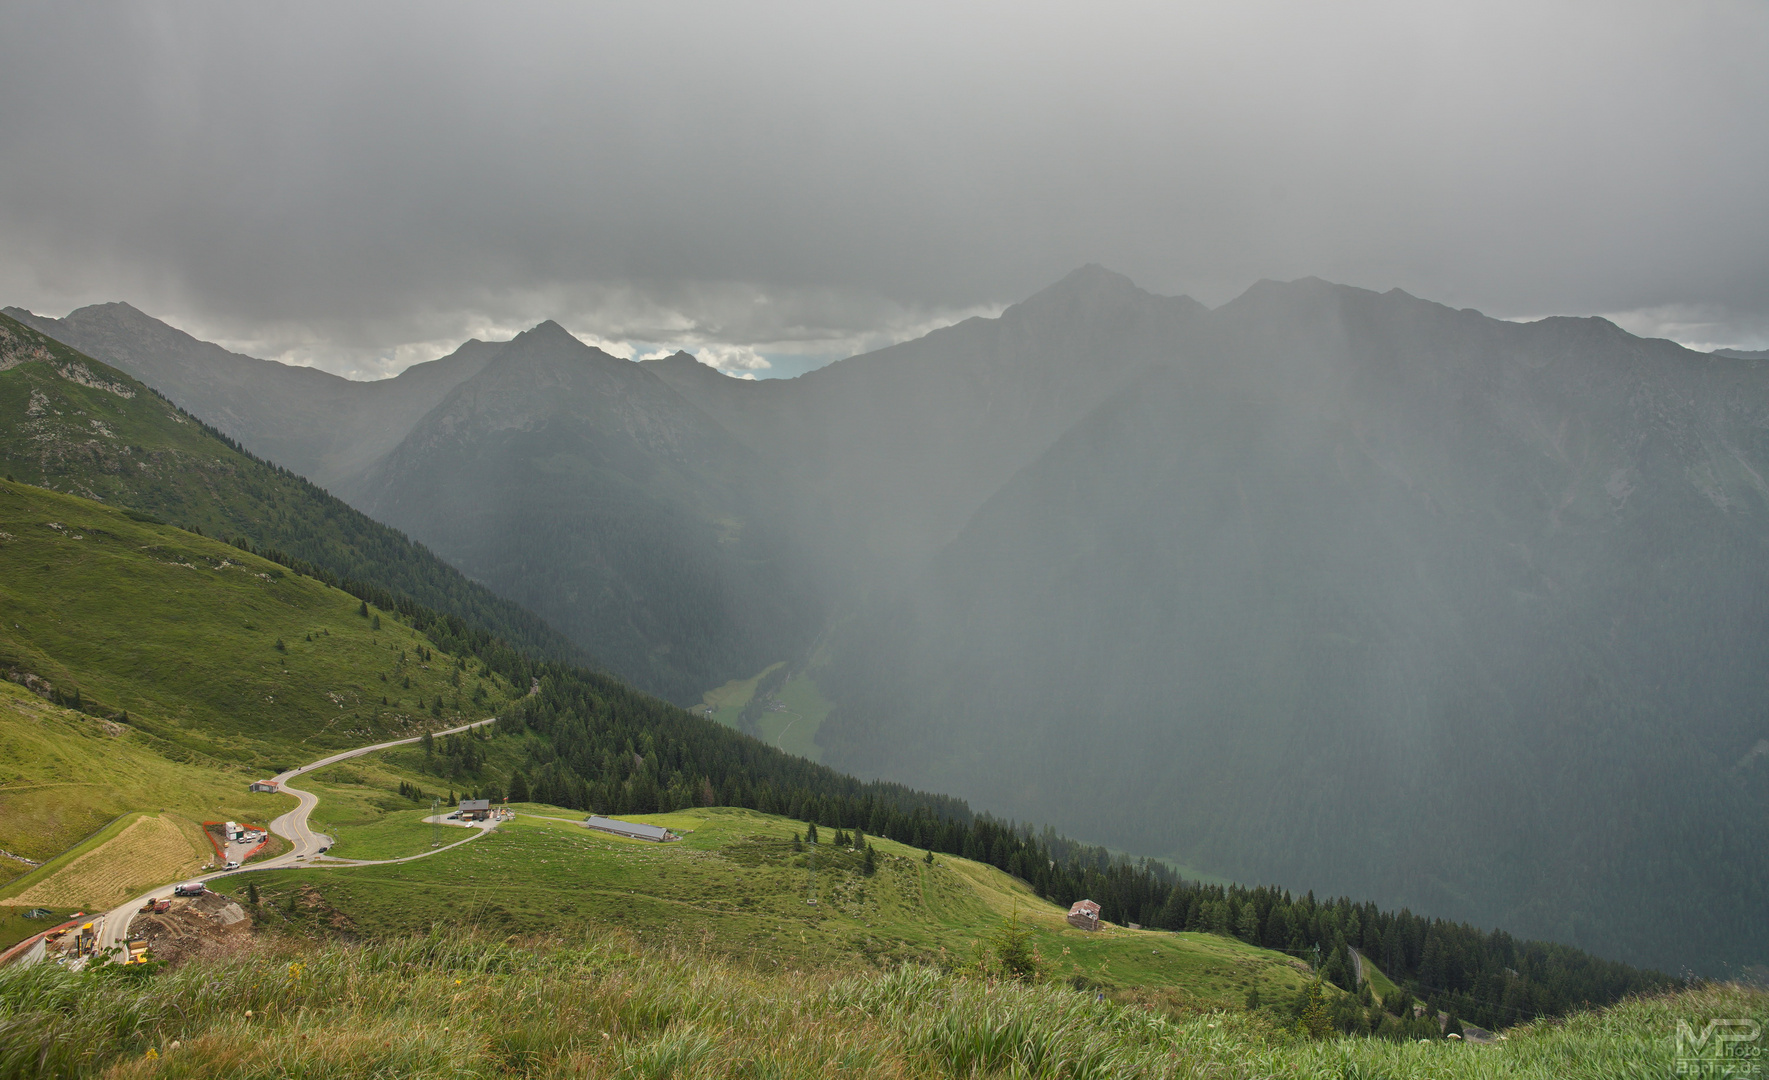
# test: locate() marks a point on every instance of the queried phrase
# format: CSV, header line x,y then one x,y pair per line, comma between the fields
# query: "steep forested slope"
x,y
77,425
585,488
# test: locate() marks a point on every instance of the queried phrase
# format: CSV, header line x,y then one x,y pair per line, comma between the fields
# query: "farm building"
x,y
266,785
631,829
475,809
1084,915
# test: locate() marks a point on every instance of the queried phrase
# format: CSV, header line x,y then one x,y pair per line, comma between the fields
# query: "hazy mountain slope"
x,y
178,633
582,485
1364,589
71,423
890,453
322,426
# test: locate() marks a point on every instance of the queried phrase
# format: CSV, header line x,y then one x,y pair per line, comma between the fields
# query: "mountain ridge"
x,y
322,425
653,525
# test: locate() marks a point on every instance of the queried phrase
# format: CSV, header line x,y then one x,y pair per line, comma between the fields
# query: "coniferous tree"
x,y
1248,928
1339,969
811,833
1314,1022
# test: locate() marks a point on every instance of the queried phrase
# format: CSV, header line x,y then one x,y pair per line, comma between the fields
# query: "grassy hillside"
x,y
216,656
71,788
151,674
459,1006
74,424
737,885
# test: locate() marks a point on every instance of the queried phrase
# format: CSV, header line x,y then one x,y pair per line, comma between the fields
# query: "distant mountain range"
x,y
1347,590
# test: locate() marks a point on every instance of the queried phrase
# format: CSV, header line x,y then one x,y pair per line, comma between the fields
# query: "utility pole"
x,y
435,821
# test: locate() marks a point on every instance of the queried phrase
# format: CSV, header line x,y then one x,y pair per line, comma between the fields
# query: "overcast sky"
x,y
361,186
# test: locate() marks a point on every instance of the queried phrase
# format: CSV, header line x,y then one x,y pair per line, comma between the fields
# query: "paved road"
x,y
292,826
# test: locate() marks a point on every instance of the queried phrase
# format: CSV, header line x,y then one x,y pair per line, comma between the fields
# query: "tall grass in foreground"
x,y
462,1007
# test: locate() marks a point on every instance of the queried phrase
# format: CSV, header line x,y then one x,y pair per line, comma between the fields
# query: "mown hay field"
x,y
151,850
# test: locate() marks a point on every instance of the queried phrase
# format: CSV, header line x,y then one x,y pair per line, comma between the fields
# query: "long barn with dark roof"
x,y
630,829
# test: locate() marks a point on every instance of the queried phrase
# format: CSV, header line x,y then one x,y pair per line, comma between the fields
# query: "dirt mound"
x,y
314,906
210,925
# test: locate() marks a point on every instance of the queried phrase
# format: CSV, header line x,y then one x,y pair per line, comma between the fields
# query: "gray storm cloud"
x,y
344,182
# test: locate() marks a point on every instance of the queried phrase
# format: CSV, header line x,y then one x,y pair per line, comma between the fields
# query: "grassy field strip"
x,y
1380,984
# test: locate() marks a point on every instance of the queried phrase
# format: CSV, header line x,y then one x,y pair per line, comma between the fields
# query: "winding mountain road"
x,y
292,826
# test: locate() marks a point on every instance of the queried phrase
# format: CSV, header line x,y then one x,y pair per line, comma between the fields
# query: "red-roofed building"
x,y
1084,915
